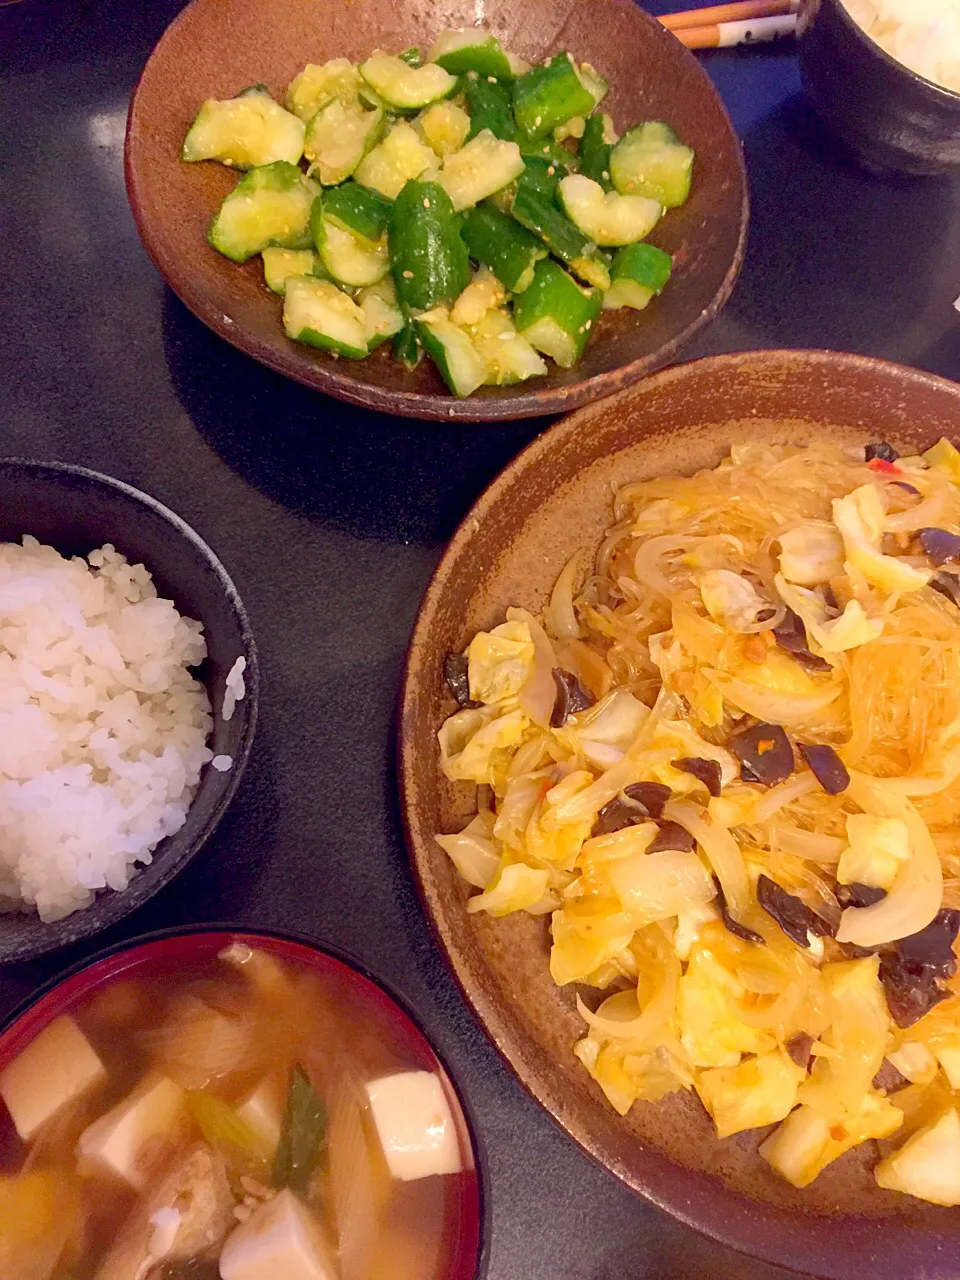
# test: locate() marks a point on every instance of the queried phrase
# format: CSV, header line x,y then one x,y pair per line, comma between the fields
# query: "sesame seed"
x,y
551,171
588,324
606,175
491,79
408,275
538,120
546,149
426,202
580,330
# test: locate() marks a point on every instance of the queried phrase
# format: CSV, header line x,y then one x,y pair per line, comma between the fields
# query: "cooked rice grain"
x,y
103,729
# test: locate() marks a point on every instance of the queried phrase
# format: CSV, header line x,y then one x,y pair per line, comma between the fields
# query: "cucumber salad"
x,y
468,205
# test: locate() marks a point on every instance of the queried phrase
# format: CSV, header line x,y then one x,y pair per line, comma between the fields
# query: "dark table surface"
x,y
330,520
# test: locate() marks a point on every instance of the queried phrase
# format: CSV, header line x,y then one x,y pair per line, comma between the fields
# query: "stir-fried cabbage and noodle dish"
x,y
725,762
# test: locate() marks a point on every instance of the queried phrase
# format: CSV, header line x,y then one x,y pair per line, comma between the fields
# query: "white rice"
x,y
103,729
922,34
235,689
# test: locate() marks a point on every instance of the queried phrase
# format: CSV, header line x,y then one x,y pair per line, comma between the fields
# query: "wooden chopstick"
x,y
724,35
740,11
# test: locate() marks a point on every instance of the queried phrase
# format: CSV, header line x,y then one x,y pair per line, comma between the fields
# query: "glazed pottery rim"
x,y
949,96
109,908
245,934
488,1010
514,405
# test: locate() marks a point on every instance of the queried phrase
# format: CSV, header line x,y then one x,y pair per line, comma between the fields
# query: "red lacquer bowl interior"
x,y
465,1229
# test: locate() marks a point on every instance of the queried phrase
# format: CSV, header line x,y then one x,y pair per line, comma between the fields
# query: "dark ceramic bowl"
x,y
76,510
468,1230
216,47
553,500
893,120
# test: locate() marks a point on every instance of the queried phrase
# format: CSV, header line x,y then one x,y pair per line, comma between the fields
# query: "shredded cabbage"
x,y
783,587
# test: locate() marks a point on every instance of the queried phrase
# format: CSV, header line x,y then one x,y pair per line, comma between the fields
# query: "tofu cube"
x,y
263,1111
135,1136
414,1124
281,1240
55,1068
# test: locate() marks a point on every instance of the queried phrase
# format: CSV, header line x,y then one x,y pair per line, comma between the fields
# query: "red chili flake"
x,y
883,467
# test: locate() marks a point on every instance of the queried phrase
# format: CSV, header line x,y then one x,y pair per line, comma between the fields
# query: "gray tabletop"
x,y
330,520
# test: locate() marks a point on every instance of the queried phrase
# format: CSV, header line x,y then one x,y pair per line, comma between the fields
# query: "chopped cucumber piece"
x,y
404,87
650,160
400,157
541,175
556,314
381,312
445,127
549,95
498,241
358,209
471,49
593,82
509,357
482,167
490,107
534,208
574,128
270,206
315,86
461,365
592,268
349,258
594,151
338,137
638,274
607,219
244,132
316,312
484,293
280,264
431,266
406,345
547,153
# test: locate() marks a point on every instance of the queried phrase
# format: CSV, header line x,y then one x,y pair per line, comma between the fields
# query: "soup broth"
x,y
238,1117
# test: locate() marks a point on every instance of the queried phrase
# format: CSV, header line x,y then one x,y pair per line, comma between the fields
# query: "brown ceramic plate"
x,y
216,47
553,499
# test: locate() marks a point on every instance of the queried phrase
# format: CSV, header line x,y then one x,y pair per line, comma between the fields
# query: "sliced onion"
x,y
793,789
923,515
352,1187
917,893
811,845
539,690
919,784
613,1018
561,616
774,708
723,852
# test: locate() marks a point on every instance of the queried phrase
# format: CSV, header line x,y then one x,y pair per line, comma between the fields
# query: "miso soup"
x,y
238,1115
